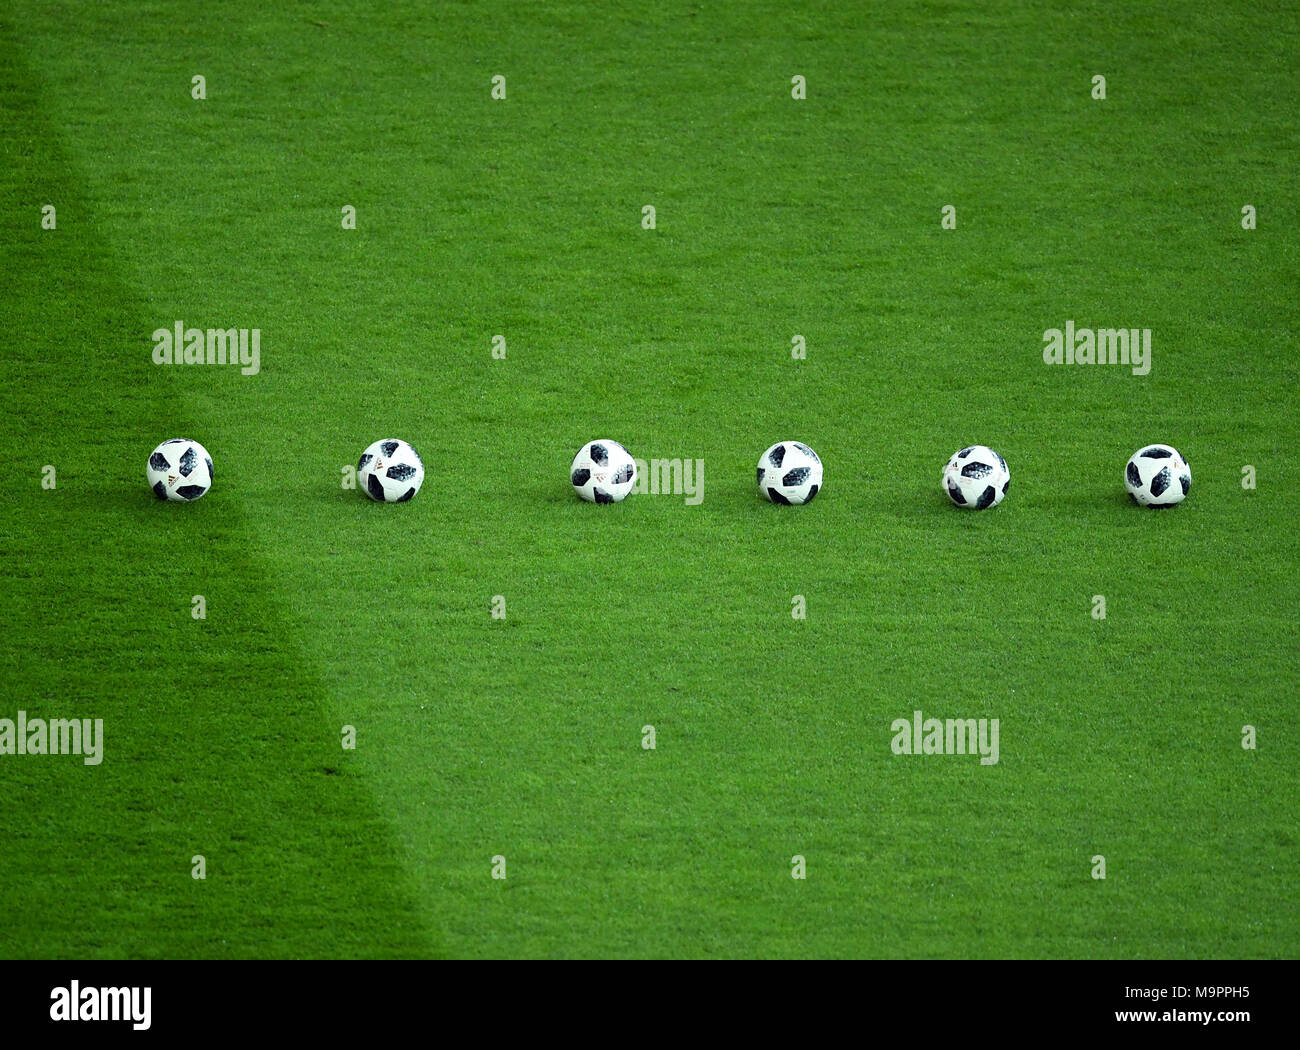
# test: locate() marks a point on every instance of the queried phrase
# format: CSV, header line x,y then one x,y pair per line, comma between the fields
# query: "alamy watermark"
x,y
72,1002
946,736
179,345
58,736
1104,346
671,477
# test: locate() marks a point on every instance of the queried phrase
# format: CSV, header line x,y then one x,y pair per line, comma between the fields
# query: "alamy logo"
x,y
75,1003
949,736
215,346
58,736
1105,346
675,477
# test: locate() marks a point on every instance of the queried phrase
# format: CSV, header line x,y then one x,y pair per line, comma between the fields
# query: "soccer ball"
x,y
789,472
1157,476
390,471
603,472
179,470
976,478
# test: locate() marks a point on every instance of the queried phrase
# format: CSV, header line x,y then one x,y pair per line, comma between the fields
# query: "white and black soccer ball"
x,y
390,471
603,472
1157,476
179,470
789,472
976,478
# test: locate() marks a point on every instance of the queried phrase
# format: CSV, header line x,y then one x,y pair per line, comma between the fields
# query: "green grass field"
x,y
522,737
